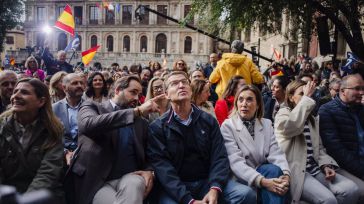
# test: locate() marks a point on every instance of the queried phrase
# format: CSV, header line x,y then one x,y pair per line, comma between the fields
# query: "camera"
x,y
9,195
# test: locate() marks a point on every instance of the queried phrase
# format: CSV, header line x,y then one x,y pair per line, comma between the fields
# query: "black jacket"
x,y
269,103
166,151
53,66
31,168
339,135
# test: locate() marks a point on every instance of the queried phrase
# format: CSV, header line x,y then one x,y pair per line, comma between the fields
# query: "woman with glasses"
x,y
32,68
156,88
314,171
180,65
200,95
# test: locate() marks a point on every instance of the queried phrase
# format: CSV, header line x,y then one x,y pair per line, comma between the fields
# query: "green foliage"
x,y
10,16
240,14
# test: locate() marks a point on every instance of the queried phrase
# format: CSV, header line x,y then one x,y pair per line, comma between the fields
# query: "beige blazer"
x,y
288,128
245,154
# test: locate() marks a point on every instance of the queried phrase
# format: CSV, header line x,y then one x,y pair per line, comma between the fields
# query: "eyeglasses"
x,y
157,88
180,63
357,88
177,82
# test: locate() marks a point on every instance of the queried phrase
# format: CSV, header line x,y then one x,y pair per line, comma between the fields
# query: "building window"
x,y
126,43
110,43
93,41
79,48
59,11
162,9
145,19
109,17
187,10
94,14
78,15
188,44
161,43
143,44
41,13
9,40
127,15
62,41
40,39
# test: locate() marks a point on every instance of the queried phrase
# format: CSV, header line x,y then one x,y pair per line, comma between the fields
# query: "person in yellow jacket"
x,y
233,64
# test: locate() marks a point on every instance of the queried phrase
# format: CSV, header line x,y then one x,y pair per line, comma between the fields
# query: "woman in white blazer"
x,y
255,158
314,179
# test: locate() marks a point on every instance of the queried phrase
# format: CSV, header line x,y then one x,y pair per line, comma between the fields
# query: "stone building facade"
x,y
14,44
123,38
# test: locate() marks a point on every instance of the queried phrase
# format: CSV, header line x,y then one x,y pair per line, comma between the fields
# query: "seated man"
x,y
67,110
187,151
342,129
110,166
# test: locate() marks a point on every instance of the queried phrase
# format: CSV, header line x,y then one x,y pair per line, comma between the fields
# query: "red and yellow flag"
x,y
88,55
66,22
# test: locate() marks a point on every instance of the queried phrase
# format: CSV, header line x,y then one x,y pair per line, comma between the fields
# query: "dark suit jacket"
x,y
269,103
98,132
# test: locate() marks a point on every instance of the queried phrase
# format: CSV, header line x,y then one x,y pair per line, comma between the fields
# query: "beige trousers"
x,y
129,189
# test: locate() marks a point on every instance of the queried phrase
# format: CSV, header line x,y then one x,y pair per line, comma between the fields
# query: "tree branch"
x,y
340,25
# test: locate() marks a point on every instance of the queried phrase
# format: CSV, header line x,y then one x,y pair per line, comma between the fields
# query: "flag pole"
x,y
73,54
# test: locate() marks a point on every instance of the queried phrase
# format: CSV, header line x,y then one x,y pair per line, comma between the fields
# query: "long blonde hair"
x,y
45,115
150,94
56,78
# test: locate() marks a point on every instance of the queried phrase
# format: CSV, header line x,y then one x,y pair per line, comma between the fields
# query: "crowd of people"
x,y
222,133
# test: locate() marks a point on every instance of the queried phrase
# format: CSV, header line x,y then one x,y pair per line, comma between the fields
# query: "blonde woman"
x,y
156,88
55,87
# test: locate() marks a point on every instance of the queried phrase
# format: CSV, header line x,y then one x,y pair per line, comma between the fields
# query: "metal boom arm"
x,y
138,15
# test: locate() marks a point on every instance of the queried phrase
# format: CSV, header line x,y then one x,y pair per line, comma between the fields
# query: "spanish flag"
x,y
66,21
88,55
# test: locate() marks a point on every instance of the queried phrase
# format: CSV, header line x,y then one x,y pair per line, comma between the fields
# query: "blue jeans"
x,y
233,193
268,197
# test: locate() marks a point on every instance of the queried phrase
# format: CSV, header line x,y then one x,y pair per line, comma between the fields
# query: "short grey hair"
x,y
237,46
6,73
67,78
334,82
61,52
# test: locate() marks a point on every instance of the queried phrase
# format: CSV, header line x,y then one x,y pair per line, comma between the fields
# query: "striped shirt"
x,y
311,165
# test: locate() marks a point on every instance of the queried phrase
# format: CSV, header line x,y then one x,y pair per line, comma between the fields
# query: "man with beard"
x,y
67,109
8,80
110,164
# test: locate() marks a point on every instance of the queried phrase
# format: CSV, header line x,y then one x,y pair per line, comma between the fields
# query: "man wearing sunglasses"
x,y
342,129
